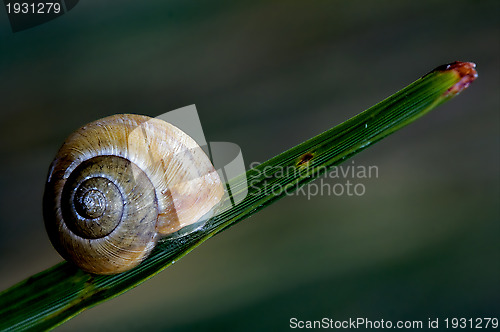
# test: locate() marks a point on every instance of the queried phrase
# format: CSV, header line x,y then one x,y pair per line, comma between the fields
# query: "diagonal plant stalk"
x,y
53,296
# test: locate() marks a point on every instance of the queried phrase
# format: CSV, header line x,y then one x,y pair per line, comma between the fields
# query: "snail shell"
x,y
118,184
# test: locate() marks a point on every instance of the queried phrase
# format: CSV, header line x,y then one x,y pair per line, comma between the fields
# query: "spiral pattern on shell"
x,y
120,183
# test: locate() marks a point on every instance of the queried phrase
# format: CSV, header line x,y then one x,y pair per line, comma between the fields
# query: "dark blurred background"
x,y
423,242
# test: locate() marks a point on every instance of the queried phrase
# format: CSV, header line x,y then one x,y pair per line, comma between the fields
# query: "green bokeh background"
x,y
423,242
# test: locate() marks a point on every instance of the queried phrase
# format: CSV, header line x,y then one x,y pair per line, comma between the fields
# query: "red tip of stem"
x,y
466,72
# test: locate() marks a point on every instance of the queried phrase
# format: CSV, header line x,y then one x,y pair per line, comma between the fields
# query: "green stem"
x,y
53,296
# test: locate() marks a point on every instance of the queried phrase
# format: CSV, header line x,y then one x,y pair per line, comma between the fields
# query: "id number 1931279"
x,y
33,8
471,323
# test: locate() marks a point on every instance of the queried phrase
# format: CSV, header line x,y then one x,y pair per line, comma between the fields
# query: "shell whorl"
x,y
119,183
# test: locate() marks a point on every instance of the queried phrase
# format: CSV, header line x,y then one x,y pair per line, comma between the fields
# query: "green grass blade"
x,y
53,296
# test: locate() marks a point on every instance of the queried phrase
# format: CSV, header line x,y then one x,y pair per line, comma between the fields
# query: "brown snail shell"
x,y
118,184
